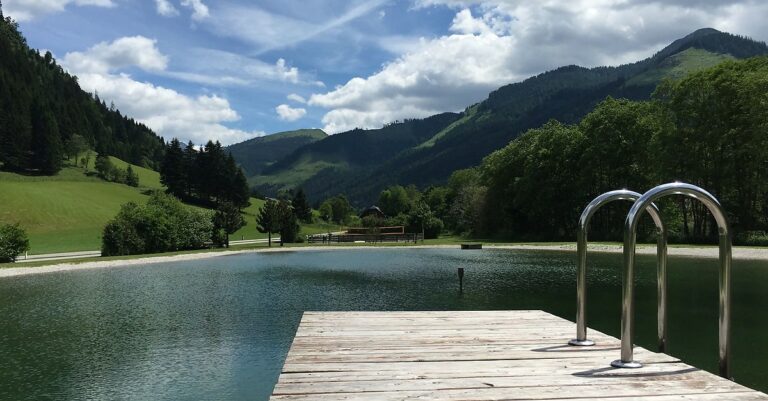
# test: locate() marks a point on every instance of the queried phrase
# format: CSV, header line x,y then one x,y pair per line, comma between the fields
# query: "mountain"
x,y
254,155
347,153
565,94
42,109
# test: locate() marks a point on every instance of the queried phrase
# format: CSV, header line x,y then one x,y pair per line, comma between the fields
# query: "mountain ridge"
x,y
566,93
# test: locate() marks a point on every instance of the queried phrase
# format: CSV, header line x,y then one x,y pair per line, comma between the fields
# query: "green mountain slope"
x,y
42,107
350,153
256,154
565,94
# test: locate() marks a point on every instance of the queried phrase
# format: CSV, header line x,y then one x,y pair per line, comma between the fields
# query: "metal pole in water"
x,y
461,279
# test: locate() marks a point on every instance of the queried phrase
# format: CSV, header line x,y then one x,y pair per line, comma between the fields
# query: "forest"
x,y
43,112
709,129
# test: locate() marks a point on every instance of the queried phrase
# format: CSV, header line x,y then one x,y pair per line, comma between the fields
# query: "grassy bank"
x,y
67,212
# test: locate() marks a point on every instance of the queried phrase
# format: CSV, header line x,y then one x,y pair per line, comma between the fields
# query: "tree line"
x,y
43,110
208,176
708,129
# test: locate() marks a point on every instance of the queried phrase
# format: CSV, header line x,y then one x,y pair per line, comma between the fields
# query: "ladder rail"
x,y
724,277
581,250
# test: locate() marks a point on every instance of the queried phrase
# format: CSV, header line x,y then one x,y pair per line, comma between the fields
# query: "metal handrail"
x,y
581,250
630,239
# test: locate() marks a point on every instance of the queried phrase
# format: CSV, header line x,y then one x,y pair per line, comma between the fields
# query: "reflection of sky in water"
x,y
218,329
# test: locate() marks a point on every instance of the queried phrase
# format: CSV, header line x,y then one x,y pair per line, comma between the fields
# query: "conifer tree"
x,y
301,206
268,219
172,170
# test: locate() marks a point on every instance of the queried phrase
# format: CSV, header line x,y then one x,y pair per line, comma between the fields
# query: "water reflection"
x,y
219,329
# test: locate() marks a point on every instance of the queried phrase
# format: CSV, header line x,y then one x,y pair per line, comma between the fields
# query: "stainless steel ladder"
x,y
581,250
643,203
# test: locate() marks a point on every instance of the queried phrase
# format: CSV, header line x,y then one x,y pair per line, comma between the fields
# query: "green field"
x,y
67,212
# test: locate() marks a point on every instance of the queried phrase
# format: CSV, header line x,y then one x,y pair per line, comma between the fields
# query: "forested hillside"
x,y
708,129
254,155
44,114
321,164
565,94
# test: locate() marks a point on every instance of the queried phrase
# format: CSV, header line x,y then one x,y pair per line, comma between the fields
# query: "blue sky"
x,y
231,70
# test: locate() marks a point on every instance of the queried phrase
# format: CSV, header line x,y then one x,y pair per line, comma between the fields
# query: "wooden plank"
x,y
476,355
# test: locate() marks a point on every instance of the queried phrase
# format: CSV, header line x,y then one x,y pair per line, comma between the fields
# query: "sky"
x,y
233,70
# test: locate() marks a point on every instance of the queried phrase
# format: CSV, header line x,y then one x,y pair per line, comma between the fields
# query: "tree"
x,y
394,200
191,173
326,211
228,219
74,146
340,207
268,219
104,167
236,190
301,206
46,141
163,224
13,242
287,222
131,177
173,172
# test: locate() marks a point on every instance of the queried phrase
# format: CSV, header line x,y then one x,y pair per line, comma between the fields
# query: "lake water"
x,y
219,329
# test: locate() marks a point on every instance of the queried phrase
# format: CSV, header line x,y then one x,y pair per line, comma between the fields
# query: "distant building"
x,y
372,211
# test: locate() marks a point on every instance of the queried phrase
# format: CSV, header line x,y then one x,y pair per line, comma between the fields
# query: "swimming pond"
x,y
219,328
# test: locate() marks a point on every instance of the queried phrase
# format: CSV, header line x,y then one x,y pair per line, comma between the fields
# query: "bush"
x,y
13,242
164,224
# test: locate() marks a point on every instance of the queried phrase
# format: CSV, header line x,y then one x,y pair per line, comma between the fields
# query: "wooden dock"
x,y
489,355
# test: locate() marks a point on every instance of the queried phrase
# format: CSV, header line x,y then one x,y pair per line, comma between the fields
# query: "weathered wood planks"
x,y
484,355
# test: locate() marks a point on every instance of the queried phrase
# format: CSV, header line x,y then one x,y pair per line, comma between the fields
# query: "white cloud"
x,y
290,74
222,68
448,73
296,98
270,31
199,10
25,10
168,112
496,42
288,113
166,9
124,52
465,23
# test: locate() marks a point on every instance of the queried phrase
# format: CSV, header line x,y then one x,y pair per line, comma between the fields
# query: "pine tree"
x,y
301,206
268,219
46,141
228,220
191,175
131,177
172,170
288,225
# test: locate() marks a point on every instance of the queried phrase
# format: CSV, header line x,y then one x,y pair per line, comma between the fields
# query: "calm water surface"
x,y
219,329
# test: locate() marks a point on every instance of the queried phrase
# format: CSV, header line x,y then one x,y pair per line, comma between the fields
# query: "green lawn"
x,y
147,178
67,212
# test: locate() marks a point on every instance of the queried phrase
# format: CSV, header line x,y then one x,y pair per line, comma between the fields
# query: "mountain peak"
x,y
714,41
702,32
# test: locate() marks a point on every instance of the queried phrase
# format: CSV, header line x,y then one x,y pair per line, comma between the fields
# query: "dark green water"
x,y
219,329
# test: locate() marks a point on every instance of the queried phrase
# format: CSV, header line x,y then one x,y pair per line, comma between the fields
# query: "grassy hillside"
x,y
147,178
67,212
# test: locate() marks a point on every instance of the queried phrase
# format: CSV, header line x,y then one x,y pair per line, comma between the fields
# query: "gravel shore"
x,y
702,252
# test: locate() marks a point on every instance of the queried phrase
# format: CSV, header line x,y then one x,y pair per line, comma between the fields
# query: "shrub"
x,y
164,224
13,242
